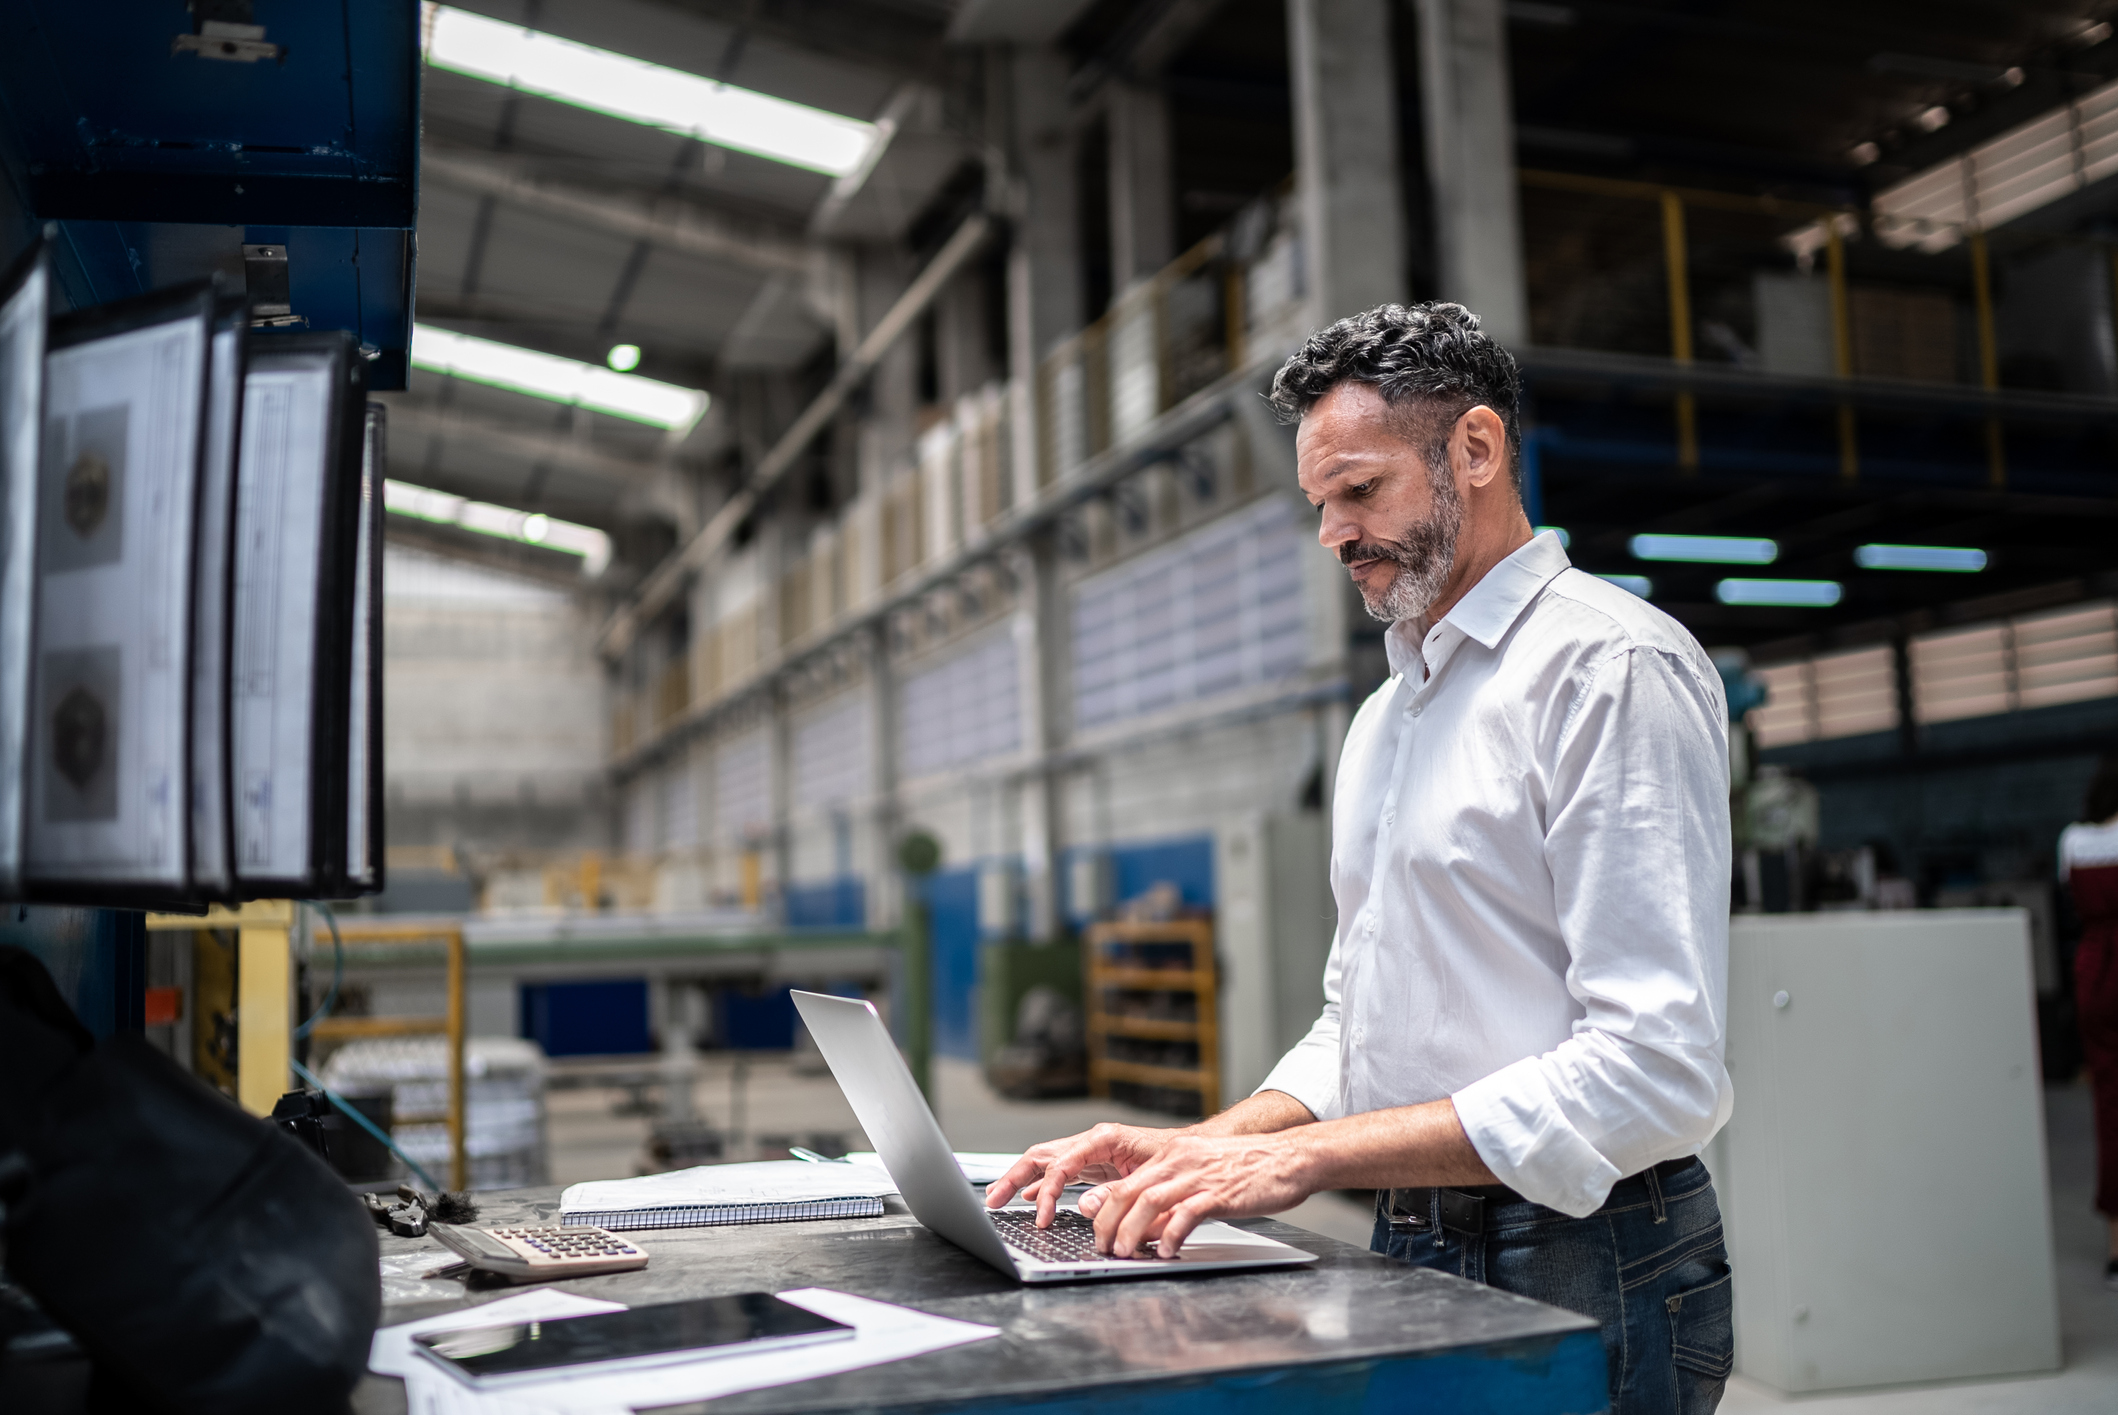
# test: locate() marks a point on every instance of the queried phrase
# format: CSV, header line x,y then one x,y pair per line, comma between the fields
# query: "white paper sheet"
x,y
404,1276
763,1182
978,1166
883,1333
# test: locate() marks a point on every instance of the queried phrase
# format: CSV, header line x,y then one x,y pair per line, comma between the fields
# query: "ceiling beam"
x,y
668,223
668,579
417,423
872,36
1154,35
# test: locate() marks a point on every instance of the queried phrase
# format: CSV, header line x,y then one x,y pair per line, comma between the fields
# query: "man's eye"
x,y
1360,488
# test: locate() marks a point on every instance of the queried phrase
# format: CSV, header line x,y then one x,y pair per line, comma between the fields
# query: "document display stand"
x,y
190,583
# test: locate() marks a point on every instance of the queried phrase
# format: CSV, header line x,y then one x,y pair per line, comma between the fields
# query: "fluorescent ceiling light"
x,y
1789,594
1632,584
602,390
2031,165
1706,550
529,527
1565,540
529,61
623,357
1956,559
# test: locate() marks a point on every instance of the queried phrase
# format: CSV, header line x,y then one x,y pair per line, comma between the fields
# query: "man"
x,y
1521,1043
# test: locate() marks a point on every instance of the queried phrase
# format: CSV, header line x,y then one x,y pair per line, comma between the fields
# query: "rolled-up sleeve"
x,y
1638,846
1310,1071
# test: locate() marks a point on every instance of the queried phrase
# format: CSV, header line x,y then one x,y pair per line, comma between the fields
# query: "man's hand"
x,y
1044,1171
1193,1178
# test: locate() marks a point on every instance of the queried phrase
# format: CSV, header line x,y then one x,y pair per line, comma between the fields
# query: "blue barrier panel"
x,y
834,904
757,1021
952,930
605,1017
1188,864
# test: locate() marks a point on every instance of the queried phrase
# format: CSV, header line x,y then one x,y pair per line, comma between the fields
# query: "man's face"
x,y
1391,519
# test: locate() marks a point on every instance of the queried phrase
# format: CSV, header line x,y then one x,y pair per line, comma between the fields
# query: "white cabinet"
x,y
1883,1177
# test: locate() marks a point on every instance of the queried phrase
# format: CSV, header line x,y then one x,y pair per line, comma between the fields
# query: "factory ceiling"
x,y
555,228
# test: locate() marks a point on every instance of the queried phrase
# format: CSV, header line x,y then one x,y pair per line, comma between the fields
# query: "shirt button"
x,y
1417,711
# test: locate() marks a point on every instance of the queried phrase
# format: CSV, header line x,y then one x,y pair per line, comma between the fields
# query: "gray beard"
x,y
1423,558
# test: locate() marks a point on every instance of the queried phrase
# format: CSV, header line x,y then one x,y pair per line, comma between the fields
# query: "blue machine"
x,y
162,142
96,957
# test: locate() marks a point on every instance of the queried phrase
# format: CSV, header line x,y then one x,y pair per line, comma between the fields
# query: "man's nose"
x,y
1335,529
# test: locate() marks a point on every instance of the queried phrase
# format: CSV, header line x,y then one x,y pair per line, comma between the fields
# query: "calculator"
x,y
541,1252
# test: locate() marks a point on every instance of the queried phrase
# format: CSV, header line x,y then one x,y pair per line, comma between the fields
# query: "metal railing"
x,y
1789,237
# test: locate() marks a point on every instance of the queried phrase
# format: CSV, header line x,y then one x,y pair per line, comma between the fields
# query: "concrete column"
x,y
780,766
674,1006
1041,641
1347,179
885,902
887,431
1044,263
1143,206
1470,128
960,337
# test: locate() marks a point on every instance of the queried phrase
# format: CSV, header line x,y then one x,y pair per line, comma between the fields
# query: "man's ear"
x,y
1480,443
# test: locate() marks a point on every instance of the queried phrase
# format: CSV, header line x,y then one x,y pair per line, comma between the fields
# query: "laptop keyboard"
x,y
1070,1239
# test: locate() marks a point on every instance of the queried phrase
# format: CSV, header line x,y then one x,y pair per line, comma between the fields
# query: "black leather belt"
x,y
1463,1209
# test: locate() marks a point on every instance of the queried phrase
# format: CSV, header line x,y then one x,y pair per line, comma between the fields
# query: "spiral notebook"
x,y
769,1191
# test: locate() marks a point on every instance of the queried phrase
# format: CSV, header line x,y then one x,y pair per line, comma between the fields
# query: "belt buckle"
x,y
1402,1218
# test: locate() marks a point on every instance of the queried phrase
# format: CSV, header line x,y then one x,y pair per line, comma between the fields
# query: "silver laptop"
x,y
905,1134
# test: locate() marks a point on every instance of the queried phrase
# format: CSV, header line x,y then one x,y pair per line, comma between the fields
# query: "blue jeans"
x,y
1649,1266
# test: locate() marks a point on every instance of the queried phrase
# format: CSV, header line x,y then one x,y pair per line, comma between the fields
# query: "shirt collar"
x,y
1492,606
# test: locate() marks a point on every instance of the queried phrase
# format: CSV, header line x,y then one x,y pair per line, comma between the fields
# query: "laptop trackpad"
x,y
1217,1242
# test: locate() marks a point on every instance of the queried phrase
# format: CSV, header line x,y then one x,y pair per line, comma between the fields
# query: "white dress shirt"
x,y
2086,844
1530,855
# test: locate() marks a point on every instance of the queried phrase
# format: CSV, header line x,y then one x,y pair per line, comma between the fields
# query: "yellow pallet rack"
x,y
1114,965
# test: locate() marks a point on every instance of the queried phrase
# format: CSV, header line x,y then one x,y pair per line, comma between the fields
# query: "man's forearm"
x,y
1414,1146
1266,1113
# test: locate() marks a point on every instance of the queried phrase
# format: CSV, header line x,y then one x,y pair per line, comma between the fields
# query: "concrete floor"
x,y
766,1104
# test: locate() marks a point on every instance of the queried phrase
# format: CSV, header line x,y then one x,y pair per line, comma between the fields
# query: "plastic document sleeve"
x,y
364,836
110,697
297,531
25,304
212,804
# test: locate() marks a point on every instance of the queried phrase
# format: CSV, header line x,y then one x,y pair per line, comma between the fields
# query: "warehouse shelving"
x,y
1158,964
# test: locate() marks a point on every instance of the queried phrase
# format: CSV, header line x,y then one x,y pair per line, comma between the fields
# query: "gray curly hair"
x,y
1430,362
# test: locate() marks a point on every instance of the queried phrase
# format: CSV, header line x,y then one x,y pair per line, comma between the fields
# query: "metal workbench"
x,y
1353,1332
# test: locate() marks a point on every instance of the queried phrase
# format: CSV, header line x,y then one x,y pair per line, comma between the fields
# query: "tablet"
x,y
657,1335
